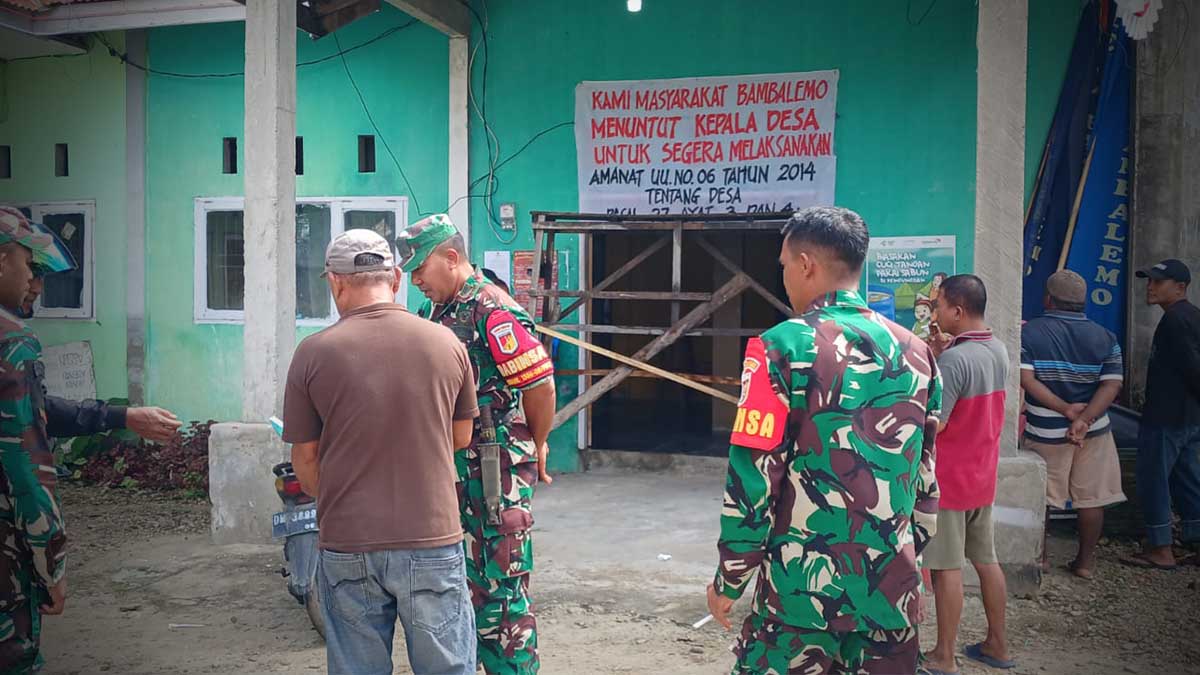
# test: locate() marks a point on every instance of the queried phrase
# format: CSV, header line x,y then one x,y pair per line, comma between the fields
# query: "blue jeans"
x,y
1168,466
362,595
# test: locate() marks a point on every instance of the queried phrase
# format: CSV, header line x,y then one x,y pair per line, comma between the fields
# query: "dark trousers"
x,y
1168,470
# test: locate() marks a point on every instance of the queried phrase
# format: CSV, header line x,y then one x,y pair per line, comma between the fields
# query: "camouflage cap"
x,y
50,254
418,240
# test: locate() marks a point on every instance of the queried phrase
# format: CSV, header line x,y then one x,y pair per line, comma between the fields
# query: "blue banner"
x,y
1063,160
1099,236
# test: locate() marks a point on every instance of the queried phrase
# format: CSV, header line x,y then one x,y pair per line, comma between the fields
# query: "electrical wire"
x,y
341,53
908,13
479,105
378,132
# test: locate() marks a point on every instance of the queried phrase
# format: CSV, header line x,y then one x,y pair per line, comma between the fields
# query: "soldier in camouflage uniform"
x,y
830,494
511,368
33,561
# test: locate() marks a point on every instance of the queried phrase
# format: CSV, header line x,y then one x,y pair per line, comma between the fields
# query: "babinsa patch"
x,y
506,342
761,416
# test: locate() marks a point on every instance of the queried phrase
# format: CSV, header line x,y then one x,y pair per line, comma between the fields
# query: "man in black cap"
x,y
1168,464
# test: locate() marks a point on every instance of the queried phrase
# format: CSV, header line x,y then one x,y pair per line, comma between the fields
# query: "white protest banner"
x,y
742,144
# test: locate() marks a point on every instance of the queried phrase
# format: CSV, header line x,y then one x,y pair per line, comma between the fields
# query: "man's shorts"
x,y
1088,477
768,646
960,533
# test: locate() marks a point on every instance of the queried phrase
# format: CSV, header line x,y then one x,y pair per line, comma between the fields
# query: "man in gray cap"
x,y
1071,371
375,406
1167,464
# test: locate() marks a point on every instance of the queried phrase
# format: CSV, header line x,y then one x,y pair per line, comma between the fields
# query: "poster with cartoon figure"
x,y
904,277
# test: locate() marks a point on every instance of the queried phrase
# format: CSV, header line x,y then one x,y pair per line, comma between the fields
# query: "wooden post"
x,y
536,282
676,268
551,257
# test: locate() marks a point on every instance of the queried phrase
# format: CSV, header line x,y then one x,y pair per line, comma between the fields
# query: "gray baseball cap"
x,y
357,251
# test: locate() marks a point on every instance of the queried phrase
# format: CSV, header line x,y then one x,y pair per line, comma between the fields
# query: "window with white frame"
x,y
220,261
67,295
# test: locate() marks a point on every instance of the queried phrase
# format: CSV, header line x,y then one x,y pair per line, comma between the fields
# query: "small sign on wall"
x,y
69,370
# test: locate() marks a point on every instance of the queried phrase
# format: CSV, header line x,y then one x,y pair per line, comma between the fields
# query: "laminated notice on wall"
x,y
69,370
750,143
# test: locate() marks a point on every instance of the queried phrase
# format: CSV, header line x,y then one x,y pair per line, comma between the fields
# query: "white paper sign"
x,y
499,262
752,143
69,371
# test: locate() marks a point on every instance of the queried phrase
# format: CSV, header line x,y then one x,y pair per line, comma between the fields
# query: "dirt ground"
x,y
149,594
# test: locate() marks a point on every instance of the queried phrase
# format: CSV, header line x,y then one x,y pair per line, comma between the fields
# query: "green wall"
x,y
196,369
905,136
906,100
80,101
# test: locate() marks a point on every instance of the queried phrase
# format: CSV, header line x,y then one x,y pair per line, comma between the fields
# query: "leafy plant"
x,y
180,464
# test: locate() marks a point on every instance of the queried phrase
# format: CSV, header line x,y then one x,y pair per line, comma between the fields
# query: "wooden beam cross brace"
x,y
729,265
700,314
616,276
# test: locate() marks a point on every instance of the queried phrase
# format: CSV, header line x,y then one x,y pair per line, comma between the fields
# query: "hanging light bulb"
x,y
634,5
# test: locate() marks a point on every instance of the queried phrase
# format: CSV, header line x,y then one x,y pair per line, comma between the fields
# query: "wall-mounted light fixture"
x,y
634,5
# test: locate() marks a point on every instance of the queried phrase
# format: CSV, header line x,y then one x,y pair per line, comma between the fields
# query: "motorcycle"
x,y
296,524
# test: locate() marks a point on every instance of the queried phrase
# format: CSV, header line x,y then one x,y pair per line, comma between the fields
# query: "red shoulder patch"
x,y
521,359
761,416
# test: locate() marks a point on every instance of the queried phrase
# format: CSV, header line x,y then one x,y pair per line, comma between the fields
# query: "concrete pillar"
x,y
1000,180
460,82
241,485
135,217
1166,205
270,213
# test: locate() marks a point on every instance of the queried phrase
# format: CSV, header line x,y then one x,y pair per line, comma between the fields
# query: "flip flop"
x,y
975,653
1142,563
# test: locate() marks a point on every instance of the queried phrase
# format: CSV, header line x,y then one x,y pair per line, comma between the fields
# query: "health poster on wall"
x,y
742,144
904,276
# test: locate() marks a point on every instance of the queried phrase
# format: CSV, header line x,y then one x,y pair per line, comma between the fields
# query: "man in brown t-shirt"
x,y
375,406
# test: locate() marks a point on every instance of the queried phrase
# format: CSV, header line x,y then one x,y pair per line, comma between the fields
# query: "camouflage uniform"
x,y
507,359
830,494
31,526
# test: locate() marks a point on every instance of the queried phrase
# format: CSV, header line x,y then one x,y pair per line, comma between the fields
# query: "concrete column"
x,y
1166,204
1000,180
270,214
460,82
135,217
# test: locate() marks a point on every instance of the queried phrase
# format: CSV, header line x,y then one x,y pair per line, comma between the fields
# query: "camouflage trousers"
x,y
768,647
499,562
20,633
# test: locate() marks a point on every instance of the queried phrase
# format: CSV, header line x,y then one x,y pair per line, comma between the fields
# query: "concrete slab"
x,y
671,504
241,486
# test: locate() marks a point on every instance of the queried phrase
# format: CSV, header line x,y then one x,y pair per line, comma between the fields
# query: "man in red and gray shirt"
x,y
973,365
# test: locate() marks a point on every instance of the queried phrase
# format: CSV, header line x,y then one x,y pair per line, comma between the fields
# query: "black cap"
x,y
1171,269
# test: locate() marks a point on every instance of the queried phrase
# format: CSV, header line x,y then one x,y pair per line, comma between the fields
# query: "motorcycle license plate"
x,y
287,523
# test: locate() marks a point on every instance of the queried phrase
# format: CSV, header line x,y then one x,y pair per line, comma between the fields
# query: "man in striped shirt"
x,y
1071,372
